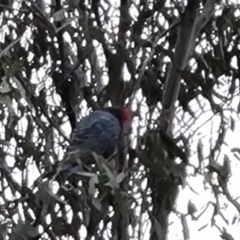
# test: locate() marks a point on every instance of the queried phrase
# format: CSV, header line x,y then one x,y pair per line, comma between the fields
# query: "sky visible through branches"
x,y
199,211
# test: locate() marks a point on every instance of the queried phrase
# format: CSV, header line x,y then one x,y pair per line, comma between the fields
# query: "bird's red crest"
x,y
126,115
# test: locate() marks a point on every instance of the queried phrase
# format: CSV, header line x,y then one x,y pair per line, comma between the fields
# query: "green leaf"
x,y
92,182
193,80
4,86
11,69
97,204
23,232
3,231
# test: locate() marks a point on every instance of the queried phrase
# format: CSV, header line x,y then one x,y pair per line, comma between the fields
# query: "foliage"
x,y
174,63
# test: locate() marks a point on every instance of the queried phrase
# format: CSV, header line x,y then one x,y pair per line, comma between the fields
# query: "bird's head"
x,y
124,115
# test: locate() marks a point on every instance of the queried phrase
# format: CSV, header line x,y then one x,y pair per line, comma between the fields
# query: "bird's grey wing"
x,y
98,132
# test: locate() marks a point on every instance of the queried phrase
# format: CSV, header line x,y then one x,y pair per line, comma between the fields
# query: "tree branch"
x,y
184,45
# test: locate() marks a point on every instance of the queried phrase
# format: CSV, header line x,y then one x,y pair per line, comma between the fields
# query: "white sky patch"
x,y
200,130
